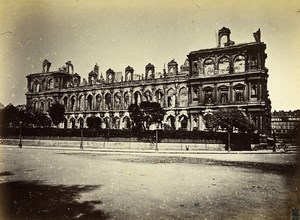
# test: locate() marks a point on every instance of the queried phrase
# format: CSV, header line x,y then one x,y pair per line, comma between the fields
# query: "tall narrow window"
x,y
239,64
209,67
224,65
195,94
253,90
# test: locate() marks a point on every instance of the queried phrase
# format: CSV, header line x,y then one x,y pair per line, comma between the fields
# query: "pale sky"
x,y
118,33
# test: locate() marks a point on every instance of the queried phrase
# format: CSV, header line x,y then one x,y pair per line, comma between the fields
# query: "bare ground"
x,y
45,184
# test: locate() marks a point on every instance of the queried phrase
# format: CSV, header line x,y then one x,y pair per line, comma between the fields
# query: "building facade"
x,y
285,122
226,76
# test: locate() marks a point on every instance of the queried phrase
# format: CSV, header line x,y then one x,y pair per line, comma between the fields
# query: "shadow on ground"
x,y
34,200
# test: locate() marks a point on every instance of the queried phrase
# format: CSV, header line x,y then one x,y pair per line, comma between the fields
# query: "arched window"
x,y
137,98
126,122
183,97
90,102
116,123
72,121
107,122
81,102
127,99
34,105
170,98
148,96
65,101
50,84
183,121
224,65
44,84
159,95
117,101
49,101
239,64
73,104
42,106
209,68
107,101
171,121
81,122
98,102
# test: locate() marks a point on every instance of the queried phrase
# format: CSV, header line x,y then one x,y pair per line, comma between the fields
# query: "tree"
x,y
93,122
145,114
228,119
56,113
41,119
9,116
136,116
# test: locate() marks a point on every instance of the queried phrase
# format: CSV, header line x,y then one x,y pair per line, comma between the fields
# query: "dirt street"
x,y
64,184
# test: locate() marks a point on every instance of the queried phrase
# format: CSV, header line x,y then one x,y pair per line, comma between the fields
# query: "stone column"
x,y
103,100
191,122
122,101
176,97
176,120
215,95
94,100
165,96
112,99
84,101
200,94
131,96
248,92
230,93
259,91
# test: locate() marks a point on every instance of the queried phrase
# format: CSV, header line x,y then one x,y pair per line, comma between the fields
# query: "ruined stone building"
x,y
225,76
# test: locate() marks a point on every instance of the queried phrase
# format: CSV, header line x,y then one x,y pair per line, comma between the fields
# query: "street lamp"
x,y
229,141
156,135
20,142
81,137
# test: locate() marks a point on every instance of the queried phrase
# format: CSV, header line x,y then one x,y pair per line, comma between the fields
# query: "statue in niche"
x,y
47,65
224,97
208,98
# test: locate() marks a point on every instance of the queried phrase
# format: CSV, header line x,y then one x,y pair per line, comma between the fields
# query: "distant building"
x,y
226,76
285,122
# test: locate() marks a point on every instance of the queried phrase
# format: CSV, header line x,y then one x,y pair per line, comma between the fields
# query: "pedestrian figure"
x,y
187,147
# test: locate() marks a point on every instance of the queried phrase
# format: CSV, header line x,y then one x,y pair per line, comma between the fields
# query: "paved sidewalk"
x,y
261,156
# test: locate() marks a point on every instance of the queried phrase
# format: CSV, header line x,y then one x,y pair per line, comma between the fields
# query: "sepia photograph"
x,y
155,109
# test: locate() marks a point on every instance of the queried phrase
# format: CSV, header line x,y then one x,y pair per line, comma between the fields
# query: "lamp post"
x,y
229,141
20,141
81,137
156,135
